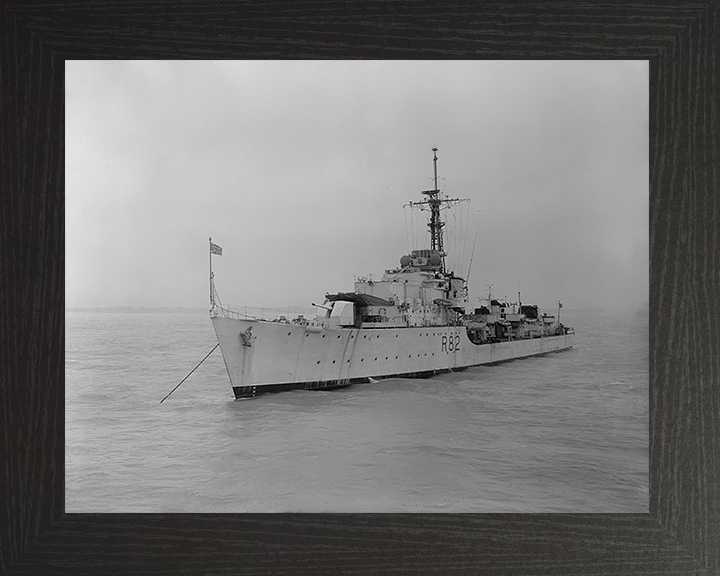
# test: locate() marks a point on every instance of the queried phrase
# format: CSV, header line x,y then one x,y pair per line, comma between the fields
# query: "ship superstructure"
x,y
415,321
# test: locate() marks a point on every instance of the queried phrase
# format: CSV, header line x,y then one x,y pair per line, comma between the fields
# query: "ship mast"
x,y
434,204
435,224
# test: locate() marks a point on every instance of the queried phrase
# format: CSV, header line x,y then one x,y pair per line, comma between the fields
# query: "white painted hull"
x,y
287,356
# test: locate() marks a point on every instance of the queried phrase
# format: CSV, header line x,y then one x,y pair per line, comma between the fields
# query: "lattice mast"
x,y
434,204
435,224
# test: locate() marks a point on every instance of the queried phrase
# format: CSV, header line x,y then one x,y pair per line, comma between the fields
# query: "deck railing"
x,y
264,314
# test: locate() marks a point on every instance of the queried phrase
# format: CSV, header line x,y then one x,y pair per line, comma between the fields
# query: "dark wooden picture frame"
x,y
680,535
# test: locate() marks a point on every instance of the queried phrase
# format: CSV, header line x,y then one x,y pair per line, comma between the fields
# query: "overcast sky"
x,y
300,171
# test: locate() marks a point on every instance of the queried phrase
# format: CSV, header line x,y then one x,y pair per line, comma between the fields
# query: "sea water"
x,y
564,432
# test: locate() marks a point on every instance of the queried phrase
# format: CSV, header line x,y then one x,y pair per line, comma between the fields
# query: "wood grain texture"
x,y
680,535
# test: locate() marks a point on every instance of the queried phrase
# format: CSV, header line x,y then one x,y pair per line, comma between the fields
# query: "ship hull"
x,y
276,356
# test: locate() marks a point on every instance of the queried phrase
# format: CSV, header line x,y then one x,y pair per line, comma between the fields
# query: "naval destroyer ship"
x,y
416,321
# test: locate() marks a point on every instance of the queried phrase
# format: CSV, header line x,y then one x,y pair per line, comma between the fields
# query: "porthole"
x,y
318,361
289,333
333,361
375,358
323,335
362,359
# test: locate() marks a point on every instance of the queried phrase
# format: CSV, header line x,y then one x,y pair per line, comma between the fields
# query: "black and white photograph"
x,y
357,286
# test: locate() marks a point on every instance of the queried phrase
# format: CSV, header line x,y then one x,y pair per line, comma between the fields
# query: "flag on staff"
x,y
215,249
559,304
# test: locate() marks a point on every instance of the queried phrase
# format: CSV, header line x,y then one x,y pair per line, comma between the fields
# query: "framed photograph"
x,y
237,156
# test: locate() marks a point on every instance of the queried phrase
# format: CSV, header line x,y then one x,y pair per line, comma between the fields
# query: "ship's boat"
x,y
416,321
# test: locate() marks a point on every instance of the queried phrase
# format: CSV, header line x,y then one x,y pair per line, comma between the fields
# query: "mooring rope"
x,y
191,371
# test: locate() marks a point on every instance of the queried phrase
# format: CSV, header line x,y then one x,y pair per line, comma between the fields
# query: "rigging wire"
x,y
459,239
412,227
456,237
407,233
472,255
466,215
191,371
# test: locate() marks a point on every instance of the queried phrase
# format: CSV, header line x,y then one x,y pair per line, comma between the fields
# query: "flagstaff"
x,y
214,249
